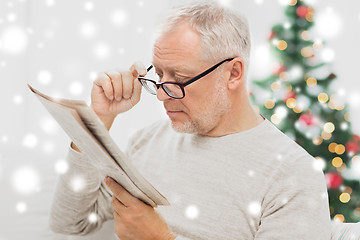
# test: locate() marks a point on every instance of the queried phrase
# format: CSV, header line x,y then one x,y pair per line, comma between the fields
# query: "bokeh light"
x,y
25,180
61,166
76,88
30,140
102,51
192,212
49,125
14,40
18,99
319,164
89,6
44,77
93,217
21,207
254,208
118,17
328,23
78,183
88,29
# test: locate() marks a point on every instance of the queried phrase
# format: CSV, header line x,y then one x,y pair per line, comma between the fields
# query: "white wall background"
x,y
59,46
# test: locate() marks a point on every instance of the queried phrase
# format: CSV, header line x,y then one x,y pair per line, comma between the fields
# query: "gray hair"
x,y
223,32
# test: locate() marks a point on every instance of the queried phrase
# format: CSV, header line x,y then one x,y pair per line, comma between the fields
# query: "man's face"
x,y
177,57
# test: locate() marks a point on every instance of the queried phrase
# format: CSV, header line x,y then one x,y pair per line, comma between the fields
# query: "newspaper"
x,y
89,134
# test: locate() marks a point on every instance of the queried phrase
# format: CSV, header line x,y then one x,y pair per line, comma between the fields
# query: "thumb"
x,y
138,69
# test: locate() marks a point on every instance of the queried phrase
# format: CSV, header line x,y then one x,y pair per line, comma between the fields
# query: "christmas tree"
x,y
302,104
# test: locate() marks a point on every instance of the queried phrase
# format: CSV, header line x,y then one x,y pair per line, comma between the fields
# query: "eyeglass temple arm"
x,y
148,69
207,71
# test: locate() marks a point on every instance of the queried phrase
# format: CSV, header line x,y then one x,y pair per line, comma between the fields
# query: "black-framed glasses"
x,y
174,89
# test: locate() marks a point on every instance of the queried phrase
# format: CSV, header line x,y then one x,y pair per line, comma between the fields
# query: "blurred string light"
x,y
140,3
21,207
88,29
254,208
102,51
11,17
50,3
13,40
4,138
354,99
319,164
61,166
296,73
40,45
121,51
30,140
192,212
93,217
263,60
328,23
89,6
118,17
328,55
48,147
18,99
44,77
353,172
77,183
284,2
92,76
49,125
76,88
25,180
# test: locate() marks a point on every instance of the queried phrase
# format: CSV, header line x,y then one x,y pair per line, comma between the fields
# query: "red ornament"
x,y
308,119
356,138
302,11
271,35
290,95
333,180
279,69
352,147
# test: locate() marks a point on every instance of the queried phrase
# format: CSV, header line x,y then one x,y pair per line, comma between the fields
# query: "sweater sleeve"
x,y
82,201
296,204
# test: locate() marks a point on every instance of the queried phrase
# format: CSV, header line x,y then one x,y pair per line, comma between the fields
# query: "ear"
x,y
236,69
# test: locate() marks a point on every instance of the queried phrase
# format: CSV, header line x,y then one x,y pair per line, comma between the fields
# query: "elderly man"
x,y
227,172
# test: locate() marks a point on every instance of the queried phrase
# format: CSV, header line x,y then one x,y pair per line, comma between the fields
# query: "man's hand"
x,y
115,91
135,219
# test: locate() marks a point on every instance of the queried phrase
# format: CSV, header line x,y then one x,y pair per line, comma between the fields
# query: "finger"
x,y
135,97
118,206
120,193
128,83
104,82
116,80
137,69
117,216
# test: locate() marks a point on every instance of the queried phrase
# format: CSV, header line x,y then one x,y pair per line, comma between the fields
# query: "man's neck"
x,y
240,118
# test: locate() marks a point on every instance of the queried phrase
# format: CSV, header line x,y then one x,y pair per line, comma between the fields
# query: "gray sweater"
x,y
256,184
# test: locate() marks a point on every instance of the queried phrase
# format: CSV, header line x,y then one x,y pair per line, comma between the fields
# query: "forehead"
x,y
178,48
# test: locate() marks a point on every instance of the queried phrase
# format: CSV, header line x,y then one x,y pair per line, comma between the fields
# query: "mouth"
x,y
173,113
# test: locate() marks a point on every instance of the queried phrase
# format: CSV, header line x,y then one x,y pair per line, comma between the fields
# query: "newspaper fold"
x,y
89,134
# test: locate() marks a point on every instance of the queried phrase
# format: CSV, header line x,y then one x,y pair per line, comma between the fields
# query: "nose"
x,y
161,95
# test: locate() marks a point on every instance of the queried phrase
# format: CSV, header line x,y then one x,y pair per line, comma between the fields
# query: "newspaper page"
x,y
89,134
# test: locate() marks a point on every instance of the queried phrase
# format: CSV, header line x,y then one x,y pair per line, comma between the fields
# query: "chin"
x,y
183,127
192,127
